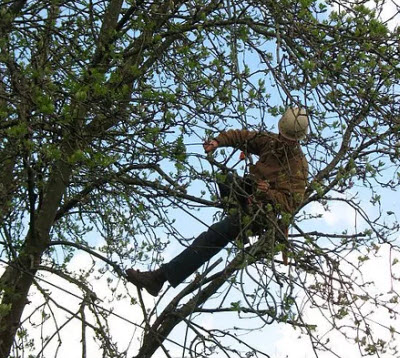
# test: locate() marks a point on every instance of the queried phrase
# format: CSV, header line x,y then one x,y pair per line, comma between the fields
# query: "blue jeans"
x,y
202,249
210,242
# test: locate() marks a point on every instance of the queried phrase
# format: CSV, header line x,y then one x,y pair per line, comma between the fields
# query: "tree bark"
x,y
7,17
20,278
8,159
19,275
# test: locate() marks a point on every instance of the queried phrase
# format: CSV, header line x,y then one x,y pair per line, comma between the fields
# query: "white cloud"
x,y
390,12
123,323
387,10
340,215
293,345
288,343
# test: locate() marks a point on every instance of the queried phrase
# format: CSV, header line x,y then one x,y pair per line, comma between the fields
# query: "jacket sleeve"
x,y
248,141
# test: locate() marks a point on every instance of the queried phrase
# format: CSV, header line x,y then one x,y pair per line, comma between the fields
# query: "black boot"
x,y
151,281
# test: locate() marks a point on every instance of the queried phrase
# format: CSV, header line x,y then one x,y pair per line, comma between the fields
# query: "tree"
x,y
98,101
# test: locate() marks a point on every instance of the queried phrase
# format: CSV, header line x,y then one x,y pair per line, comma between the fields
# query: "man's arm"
x,y
210,146
247,141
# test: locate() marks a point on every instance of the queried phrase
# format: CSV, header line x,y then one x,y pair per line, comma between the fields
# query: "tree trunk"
x,y
19,275
8,158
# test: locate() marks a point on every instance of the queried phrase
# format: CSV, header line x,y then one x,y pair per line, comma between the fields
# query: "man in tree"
x,y
279,179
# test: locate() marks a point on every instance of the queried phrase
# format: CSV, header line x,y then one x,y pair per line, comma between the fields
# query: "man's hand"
x,y
263,185
210,146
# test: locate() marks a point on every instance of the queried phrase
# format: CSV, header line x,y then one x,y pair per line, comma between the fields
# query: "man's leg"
x,y
205,246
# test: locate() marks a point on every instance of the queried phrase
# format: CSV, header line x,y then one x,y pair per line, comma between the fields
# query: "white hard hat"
x,y
294,124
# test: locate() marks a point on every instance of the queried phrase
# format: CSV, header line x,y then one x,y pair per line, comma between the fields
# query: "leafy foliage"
x,y
98,103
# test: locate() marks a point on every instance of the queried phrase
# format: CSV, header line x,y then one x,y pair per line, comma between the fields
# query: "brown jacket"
x,y
283,165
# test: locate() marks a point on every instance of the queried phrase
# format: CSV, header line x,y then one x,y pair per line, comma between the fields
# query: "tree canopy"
x,y
102,104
